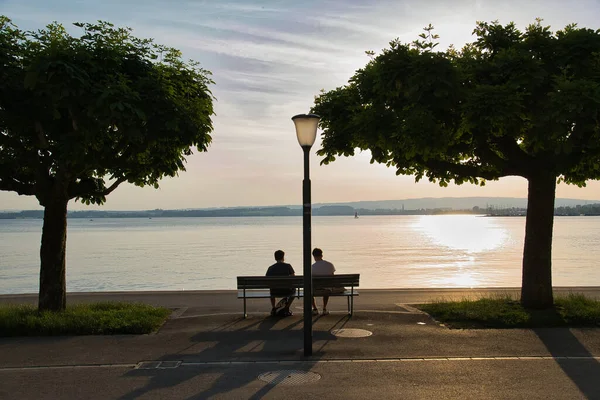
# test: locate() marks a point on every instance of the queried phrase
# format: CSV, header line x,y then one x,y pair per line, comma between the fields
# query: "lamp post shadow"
x,y
261,343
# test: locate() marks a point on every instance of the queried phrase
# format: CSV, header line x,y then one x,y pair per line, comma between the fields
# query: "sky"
x,y
269,59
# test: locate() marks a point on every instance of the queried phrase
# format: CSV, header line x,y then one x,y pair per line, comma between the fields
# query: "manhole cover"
x,y
289,377
352,333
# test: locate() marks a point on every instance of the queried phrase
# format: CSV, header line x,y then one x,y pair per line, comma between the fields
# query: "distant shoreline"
x,y
357,209
414,206
4,216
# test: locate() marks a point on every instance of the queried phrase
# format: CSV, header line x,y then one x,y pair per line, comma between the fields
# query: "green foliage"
x,y
428,39
83,319
504,312
80,115
509,103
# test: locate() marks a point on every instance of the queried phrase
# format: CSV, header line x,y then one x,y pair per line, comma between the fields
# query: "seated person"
x,y
322,268
281,268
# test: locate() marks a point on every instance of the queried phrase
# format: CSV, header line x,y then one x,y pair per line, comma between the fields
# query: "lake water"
x,y
208,253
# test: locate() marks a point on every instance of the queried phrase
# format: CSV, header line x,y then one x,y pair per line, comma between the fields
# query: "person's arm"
x,y
292,272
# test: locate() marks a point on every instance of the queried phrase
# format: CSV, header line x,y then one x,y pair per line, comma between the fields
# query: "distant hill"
x,y
426,205
456,203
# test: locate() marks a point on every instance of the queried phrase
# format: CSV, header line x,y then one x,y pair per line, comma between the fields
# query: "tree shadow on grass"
x,y
562,343
258,345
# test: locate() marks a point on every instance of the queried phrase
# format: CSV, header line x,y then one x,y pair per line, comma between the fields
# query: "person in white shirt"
x,y
321,268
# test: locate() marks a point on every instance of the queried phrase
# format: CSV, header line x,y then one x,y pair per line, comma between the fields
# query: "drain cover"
x,y
158,364
289,377
147,365
169,364
351,333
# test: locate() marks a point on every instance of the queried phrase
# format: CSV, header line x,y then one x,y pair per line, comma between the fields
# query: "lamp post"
x,y
306,132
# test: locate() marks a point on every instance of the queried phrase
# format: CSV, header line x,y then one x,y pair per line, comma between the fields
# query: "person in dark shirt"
x,y
280,268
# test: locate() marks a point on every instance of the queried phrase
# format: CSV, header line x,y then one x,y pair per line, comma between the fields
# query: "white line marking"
x,y
312,362
411,359
40,367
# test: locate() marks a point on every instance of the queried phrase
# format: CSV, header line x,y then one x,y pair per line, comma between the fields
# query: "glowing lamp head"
x,y
306,128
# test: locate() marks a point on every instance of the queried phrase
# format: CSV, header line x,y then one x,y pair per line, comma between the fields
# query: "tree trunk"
x,y
53,289
536,289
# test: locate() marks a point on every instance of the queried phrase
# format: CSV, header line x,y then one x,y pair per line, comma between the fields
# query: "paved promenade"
x,y
206,350
225,301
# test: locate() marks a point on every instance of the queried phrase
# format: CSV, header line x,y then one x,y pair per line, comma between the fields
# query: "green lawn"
x,y
82,319
573,310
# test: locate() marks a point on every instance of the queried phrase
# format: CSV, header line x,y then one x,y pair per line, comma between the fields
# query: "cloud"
x,y
269,59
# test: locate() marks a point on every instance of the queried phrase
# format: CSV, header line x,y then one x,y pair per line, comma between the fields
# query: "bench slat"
x,y
265,294
266,282
334,282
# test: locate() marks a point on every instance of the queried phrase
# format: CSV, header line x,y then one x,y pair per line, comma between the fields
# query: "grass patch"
x,y
82,319
573,310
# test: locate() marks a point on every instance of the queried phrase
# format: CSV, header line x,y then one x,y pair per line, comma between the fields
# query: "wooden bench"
x,y
258,287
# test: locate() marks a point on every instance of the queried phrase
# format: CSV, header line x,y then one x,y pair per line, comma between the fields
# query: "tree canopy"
x,y
102,107
522,103
79,115
509,103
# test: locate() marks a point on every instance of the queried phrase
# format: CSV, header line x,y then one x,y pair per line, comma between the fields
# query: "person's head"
x,y
279,254
317,253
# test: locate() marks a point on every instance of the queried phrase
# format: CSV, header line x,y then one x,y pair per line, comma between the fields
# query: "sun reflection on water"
x,y
469,233
463,273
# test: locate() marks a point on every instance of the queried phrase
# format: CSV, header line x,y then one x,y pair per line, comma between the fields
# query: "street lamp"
x,y
306,132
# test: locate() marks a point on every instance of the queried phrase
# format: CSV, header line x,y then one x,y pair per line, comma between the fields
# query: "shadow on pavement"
x,y
561,342
264,341
339,324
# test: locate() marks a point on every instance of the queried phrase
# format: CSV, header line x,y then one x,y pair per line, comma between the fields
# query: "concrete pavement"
x,y
207,352
225,301
544,379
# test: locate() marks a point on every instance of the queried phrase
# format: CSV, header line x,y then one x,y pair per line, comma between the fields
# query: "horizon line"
x,y
296,205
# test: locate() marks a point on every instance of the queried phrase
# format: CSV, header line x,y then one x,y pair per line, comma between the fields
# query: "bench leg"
x,y
245,315
348,298
352,302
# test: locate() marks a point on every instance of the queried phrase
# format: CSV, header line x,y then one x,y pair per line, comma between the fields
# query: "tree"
x,y
81,115
510,103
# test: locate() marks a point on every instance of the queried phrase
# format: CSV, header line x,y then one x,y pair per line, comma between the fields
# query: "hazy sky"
x,y
269,59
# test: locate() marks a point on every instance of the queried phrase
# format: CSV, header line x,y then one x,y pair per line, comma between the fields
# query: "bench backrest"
x,y
269,282
275,282
336,281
